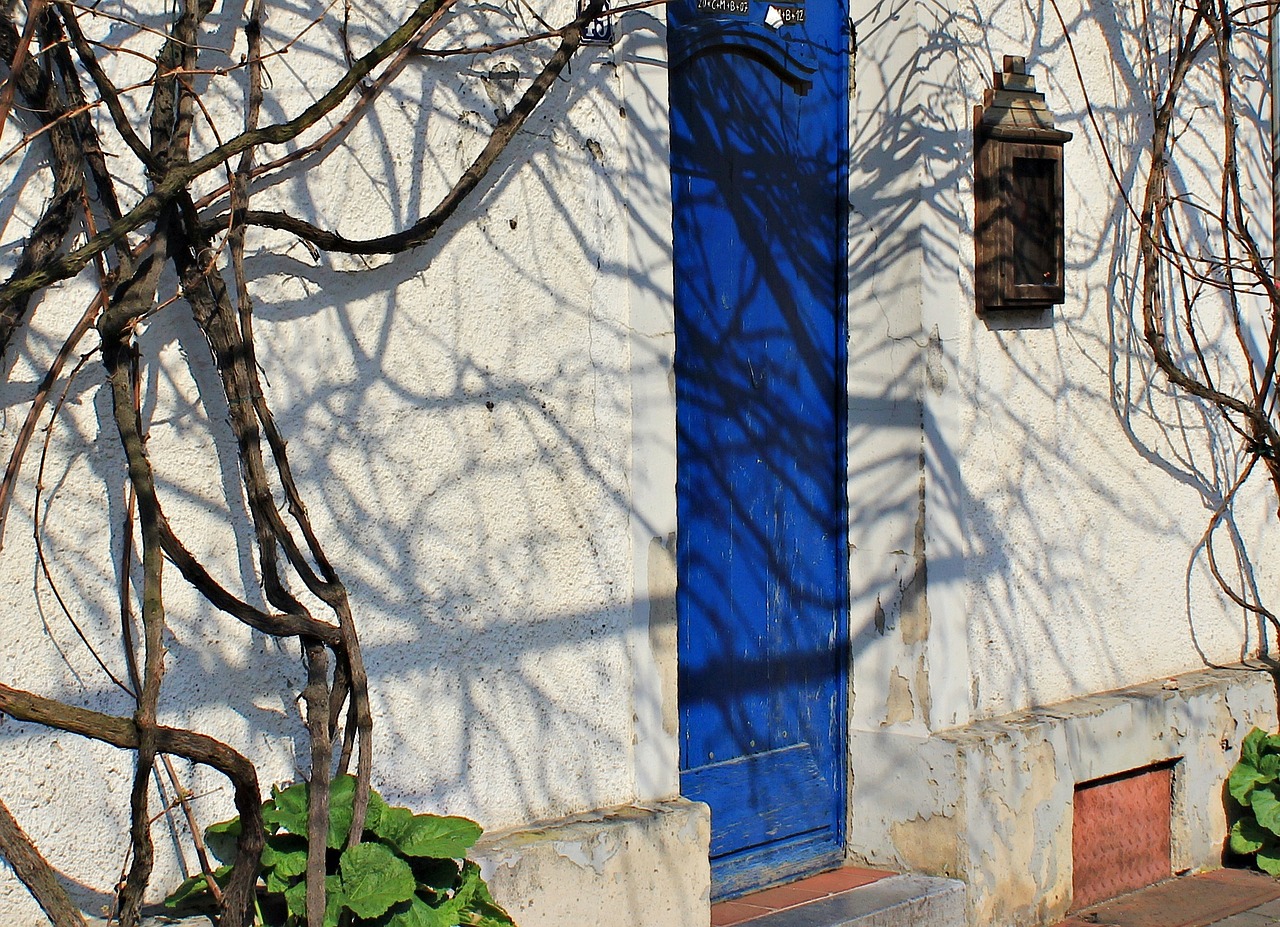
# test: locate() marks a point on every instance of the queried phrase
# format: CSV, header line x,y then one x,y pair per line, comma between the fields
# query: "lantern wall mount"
x,y
1018,190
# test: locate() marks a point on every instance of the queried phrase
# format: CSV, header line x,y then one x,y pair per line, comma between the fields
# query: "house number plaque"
x,y
599,31
722,7
784,16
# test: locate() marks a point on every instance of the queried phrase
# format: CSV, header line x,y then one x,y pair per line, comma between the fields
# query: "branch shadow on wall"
x,y
458,416
457,420
1048,510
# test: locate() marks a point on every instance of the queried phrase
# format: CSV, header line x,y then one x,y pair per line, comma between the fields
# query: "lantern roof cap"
x,y
1012,109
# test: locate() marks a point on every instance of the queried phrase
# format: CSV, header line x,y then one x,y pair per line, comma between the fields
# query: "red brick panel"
x,y
1120,834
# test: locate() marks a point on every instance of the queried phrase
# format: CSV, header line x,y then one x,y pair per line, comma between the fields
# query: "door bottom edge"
x,y
764,867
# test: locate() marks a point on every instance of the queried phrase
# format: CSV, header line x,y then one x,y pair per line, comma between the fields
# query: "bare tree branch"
x,y
36,873
179,177
425,228
199,748
132,245
40,97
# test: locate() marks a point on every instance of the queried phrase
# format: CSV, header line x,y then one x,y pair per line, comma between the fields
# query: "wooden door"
x,y
759,97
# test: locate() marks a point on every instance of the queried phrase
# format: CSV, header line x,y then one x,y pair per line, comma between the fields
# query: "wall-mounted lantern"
x,y
1018,230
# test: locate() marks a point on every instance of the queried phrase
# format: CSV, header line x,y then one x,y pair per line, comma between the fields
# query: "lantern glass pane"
x,y
1034,226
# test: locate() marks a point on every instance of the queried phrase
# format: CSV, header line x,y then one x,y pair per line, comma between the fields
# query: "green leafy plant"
x,y
1255,785
409,870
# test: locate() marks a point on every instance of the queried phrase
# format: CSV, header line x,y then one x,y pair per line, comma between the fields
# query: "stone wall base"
x,y
640,865
991,803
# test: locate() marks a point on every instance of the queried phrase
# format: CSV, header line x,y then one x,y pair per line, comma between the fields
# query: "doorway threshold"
x,y
849,897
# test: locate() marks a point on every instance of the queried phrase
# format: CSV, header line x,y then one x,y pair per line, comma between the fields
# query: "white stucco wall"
x,y
992,803
1027,497
459,420
1037,461
484,430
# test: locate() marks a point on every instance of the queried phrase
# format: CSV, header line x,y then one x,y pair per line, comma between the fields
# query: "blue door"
x,y
759,95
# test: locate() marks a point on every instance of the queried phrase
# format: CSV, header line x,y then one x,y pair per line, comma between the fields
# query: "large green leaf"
x,y
1269,765
1242,780
391,822
439,876
195,890
286,854
430,834
334,901
1247,836
374,879
296,900
484,910
221,839
1269,858
1251,748
417,913
287,808
278,884
342,798
373,816
470,884
1266,807
231,828
471,905
342,795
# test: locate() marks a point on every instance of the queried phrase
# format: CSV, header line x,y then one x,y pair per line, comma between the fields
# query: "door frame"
x,y
796,857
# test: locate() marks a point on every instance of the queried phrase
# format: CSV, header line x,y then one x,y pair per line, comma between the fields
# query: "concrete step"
x,y
896,901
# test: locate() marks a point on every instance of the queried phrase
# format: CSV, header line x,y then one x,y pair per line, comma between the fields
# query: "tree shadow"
x,y
1024,499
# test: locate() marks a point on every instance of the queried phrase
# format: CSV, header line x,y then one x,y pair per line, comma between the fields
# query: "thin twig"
x,y
37,532
8,484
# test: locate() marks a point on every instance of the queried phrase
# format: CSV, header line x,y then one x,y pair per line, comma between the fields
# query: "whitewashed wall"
x,y
458,418
1036,462
1027,497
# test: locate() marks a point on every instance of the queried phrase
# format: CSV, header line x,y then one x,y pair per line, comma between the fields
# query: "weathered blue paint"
x,y
759,149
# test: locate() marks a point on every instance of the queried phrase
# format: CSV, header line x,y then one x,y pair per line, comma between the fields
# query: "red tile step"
x,y
781,897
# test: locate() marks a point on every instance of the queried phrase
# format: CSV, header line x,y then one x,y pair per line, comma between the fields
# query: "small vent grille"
x,y
1120,834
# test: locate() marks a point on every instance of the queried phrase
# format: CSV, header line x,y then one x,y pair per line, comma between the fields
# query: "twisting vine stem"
x,y
61,81
1189,296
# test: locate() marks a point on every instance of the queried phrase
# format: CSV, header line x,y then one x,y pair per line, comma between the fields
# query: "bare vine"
x,y
1214,295
57,86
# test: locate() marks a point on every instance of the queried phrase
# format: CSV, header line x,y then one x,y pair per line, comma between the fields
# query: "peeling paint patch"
x,y
590,854
915,593
922,687
639,864
929,844
935,368
1041,762
902,706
